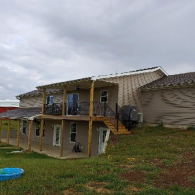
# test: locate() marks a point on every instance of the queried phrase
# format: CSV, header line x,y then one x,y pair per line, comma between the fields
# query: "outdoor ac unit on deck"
x,y
140,116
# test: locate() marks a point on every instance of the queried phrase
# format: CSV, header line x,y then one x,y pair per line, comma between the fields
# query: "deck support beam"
x,y
64,102
62,139
90,121
42,120
41,134
18,134
43,103
8,131
0,129
30,136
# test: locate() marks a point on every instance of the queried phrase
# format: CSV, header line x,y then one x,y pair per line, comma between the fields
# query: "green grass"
x,y
13,125
45,175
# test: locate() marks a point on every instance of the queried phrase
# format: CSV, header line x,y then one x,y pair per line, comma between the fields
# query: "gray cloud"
x,y
48,41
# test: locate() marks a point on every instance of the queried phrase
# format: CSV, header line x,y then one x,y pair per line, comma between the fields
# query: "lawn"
x,y
151,161
13,125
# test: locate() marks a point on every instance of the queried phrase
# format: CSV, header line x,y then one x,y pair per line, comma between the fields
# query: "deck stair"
x,y
112,125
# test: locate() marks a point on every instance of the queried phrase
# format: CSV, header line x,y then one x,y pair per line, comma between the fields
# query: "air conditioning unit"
x,y
140,117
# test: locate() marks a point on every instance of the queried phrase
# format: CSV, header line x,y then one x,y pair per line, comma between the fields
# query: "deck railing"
x,y
99,109
53,109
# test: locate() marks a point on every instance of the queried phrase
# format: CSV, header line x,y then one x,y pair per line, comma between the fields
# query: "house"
x,y
8,105
85,110
170,100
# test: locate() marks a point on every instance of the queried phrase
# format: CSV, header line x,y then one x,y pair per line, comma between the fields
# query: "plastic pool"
x,y
10,173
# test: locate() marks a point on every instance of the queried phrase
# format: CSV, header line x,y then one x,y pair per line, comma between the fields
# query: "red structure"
x,y
4,109
8,105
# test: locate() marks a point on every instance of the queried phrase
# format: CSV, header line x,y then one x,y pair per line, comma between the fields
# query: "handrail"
x,y
123,116
53,109
102,109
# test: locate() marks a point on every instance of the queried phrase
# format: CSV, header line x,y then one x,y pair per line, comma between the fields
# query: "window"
x,y
104,96
49,100
38,127
24,126
73,132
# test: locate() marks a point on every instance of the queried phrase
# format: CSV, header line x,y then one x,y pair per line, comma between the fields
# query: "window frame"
x,y
23,127
73,132
50,96
40,129
103,96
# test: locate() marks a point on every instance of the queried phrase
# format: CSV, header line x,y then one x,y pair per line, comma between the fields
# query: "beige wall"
x,y
171,106
36,101
84,95
82,134
128,87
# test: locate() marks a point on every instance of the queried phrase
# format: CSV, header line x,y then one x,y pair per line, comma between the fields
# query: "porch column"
x,y
64,101
30,136
43,103
90,121
62,139
42,120
41,134
8,132
18,134
0,128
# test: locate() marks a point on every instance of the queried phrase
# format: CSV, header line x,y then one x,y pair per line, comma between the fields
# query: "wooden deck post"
x,y
0,129
8,132
30,136
91,115
18,134
64,101
42,120
43,103
62,138
41,134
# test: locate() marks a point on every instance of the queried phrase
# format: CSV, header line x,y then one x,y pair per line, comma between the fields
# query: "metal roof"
x,y
171,80
22,113
98,78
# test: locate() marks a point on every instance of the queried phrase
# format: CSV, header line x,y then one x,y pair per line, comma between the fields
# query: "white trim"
x,y
23,127
129,73
67,102
54,135
103,96
71,132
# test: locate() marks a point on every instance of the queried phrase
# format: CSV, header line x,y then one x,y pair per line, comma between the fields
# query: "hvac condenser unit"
x,y
140,117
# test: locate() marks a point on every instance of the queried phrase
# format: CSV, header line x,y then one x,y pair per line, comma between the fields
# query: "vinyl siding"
x,y
170,106
84,96
129,93
82,134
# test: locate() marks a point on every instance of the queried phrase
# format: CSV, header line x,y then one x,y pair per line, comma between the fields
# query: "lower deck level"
x,y
49,150
74,132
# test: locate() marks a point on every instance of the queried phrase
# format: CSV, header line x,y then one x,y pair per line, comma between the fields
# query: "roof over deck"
x,y
22,113
99,82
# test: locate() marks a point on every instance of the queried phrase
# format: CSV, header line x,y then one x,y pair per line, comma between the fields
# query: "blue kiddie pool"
x,y
10,173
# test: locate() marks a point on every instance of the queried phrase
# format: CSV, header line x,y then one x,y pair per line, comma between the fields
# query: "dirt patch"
x,y
98,187
177,174
134,176
69,192
125,166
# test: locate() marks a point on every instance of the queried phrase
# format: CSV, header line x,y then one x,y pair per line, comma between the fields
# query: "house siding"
x,y
82,134
170,106
84,96
129,93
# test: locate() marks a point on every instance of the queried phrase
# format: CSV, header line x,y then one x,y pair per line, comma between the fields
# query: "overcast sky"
x,y
45,41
